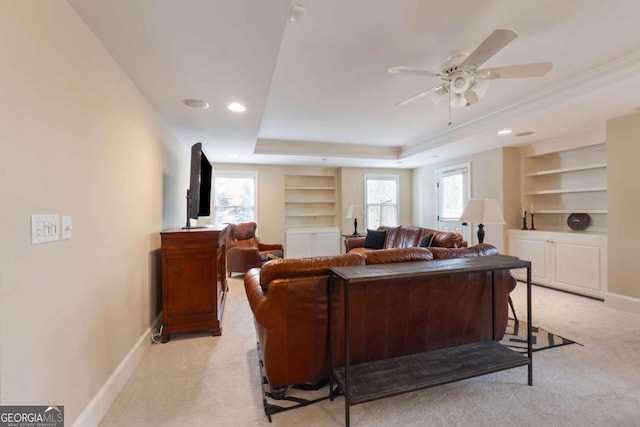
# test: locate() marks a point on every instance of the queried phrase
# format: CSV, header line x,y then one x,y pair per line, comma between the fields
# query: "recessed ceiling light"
x,y
196,103
504,132
236,107
527,133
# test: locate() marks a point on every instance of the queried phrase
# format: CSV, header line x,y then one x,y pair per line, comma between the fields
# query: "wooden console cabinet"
x,y
193,281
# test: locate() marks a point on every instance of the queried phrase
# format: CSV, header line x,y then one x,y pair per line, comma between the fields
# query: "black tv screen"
x,y
199,193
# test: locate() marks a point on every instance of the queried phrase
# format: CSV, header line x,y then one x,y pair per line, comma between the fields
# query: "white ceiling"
x,y
318,92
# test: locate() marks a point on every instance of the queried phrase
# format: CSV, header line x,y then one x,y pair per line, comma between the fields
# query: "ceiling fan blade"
x,y
418,96
489,47
407,70
514,71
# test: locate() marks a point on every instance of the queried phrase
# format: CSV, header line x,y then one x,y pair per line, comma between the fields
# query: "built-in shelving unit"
x,y
566,177
310,200
560,177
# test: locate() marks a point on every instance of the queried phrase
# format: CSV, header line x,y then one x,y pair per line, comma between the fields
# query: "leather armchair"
x,y
244,251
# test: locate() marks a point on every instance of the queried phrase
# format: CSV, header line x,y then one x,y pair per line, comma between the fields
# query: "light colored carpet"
x,y
199,380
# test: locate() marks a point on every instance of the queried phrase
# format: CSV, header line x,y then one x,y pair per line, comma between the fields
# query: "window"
x,y
451,197
381,200
234,197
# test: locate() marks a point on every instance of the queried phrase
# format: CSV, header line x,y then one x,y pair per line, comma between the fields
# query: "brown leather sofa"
x,y
408,236
289,297
244,251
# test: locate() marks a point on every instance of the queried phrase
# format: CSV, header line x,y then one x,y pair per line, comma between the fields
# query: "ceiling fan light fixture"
x,y
460,82
437,95
458,100
472,97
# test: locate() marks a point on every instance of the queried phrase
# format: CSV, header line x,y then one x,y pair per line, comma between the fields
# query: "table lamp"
x,y
355,212
482,211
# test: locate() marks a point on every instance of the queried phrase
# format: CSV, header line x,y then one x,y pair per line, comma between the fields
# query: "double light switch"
x,y
46,228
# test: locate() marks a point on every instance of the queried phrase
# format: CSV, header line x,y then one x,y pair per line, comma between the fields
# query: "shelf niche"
x,y
310,200
564,176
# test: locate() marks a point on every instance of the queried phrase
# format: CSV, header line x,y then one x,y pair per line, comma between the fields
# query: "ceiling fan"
x,y
463,82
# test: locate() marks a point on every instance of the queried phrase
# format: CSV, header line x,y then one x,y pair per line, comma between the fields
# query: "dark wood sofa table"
x,y
369,381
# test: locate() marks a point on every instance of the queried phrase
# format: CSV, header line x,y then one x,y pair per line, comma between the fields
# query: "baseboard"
x,y
96,409
623,303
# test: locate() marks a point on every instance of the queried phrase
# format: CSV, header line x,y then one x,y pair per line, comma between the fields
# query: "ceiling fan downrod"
x,y
449,102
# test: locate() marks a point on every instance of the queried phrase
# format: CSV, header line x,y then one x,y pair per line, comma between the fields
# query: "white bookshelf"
x,y
310,200
560,179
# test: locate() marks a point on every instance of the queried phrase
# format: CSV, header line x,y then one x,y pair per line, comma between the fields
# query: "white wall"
x,y
78,139
623,151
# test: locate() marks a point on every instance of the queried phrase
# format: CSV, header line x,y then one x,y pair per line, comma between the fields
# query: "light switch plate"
x,y
44,228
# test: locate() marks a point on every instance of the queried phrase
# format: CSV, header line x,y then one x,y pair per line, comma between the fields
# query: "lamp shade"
x,y
355,211
482,211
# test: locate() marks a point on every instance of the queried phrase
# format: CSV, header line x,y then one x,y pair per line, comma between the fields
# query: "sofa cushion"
x,y
426,241
402,236
388,256
445,239
296,267
375,239
482,249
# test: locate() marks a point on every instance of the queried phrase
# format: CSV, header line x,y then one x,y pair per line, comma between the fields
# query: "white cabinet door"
x,y
311,242
326,244
578,266
568,261
534,249
299,245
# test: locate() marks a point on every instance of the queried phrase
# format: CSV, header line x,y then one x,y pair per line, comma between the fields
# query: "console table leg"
x,y
529,327
346,415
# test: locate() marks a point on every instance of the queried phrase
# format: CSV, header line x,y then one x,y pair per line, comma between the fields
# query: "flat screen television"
x,y
199,192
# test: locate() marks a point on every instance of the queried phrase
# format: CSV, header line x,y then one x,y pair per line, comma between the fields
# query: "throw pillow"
x,y
426,241
375,239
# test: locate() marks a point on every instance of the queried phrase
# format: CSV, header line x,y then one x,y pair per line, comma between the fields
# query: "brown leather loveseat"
x,y
407,236
289,297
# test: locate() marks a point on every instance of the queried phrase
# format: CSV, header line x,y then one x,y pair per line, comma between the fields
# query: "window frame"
x,y
253,175
381,177
465,168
